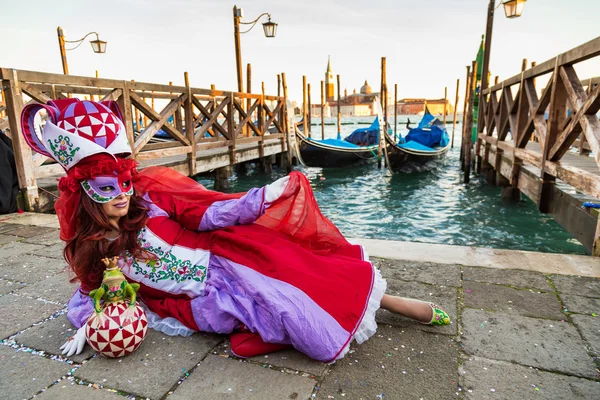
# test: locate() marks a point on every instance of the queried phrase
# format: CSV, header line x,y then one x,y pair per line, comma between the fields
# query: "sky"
x,y
427,43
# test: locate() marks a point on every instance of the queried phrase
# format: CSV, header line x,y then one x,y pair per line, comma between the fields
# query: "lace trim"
x,y
368,325
169,326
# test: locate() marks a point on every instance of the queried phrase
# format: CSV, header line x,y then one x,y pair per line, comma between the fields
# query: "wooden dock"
x,y
546,144
229,127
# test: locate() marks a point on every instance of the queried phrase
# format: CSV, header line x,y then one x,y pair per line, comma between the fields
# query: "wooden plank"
x,y
211,123
272,116
125,106
45,77
35,93
154,116
113,95
246,118
156,125
162,153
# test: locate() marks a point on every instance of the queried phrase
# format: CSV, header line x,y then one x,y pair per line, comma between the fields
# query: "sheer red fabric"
x,y
295,213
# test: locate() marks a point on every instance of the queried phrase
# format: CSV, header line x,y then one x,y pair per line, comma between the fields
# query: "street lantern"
x,y
99,46
513,8
270,28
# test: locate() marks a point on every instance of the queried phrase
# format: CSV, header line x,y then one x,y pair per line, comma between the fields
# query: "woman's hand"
x,y
75,343
274,190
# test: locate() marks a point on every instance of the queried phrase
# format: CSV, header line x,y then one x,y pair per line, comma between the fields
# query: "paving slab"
x,y
527,302
18,313
25,374
7,286
590,329
49,238
69,390
154,368
7,227
490,379
412,365
31,269
581,305
445,297
56,288
578,285
16,250
50,335
52,251
226,378
29,231
4,239
549,345
438,274
290,359
513,277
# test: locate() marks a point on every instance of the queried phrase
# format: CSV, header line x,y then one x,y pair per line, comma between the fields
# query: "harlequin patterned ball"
x,y
117,337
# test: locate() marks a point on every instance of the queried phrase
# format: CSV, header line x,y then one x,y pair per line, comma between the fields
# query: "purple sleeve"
x,y
242,211
79,309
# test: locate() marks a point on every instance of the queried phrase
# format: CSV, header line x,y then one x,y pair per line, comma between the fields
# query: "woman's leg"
x,y
414,309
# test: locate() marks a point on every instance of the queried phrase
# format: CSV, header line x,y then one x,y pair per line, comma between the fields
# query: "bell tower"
x,y
329,88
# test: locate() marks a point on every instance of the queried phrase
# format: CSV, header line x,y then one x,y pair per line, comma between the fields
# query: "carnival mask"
x,y
103,189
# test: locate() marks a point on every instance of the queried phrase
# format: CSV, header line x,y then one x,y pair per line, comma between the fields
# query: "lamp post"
x,y
99,46
512,9
270,29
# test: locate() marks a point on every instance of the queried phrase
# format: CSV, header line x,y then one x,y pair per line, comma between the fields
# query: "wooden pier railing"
x,y
229,127
531,142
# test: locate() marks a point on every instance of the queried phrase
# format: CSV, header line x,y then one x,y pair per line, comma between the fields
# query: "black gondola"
x,y
428,141
359,147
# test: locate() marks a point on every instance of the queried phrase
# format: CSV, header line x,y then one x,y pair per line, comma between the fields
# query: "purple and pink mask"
x,y
103,189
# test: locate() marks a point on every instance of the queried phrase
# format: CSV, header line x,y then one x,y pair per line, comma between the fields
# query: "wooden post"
x,y
445,103
322,110
63,52
189,125
339,108
238,47
278,85
305,129
288,128
464,122
383,100
469,127
125,106
246,131
455,110
395,112
137,115
23,155
533,138
309,109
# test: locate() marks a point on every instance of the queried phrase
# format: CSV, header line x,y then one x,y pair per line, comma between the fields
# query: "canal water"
x,y
428,205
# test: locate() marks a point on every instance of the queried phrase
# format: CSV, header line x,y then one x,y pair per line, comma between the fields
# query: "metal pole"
x,y
238,49
63,52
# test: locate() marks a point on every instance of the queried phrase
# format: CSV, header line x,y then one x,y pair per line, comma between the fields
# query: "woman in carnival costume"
x,y
264,266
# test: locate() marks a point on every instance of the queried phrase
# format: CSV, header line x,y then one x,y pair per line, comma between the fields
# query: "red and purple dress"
x,y
222,261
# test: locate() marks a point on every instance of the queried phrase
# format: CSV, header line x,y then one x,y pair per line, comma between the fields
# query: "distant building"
x,y
329,86
355,104
417,106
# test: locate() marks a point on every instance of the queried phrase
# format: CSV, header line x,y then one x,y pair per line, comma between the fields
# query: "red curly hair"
x,y
87,248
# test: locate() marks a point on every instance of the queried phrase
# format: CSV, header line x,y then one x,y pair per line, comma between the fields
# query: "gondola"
x,y
428,141
359,147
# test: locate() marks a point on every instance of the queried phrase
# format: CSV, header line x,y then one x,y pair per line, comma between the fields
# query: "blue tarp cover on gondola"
x,y
336,143
365,136
430,132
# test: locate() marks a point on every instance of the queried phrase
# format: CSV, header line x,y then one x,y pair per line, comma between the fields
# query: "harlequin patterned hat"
x,y
76,129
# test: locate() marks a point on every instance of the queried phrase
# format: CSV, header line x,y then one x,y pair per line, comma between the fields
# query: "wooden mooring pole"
x,y
305,128
455,110
288,127
445,104
395,112
383,101
339,111
309,111
323,110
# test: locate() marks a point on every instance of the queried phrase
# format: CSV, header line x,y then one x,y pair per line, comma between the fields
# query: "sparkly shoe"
x,y
439,316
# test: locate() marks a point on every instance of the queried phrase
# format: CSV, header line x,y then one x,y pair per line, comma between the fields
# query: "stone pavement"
x,y
516,334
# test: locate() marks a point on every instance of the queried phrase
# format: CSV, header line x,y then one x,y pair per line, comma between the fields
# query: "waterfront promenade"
x,y
525,325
